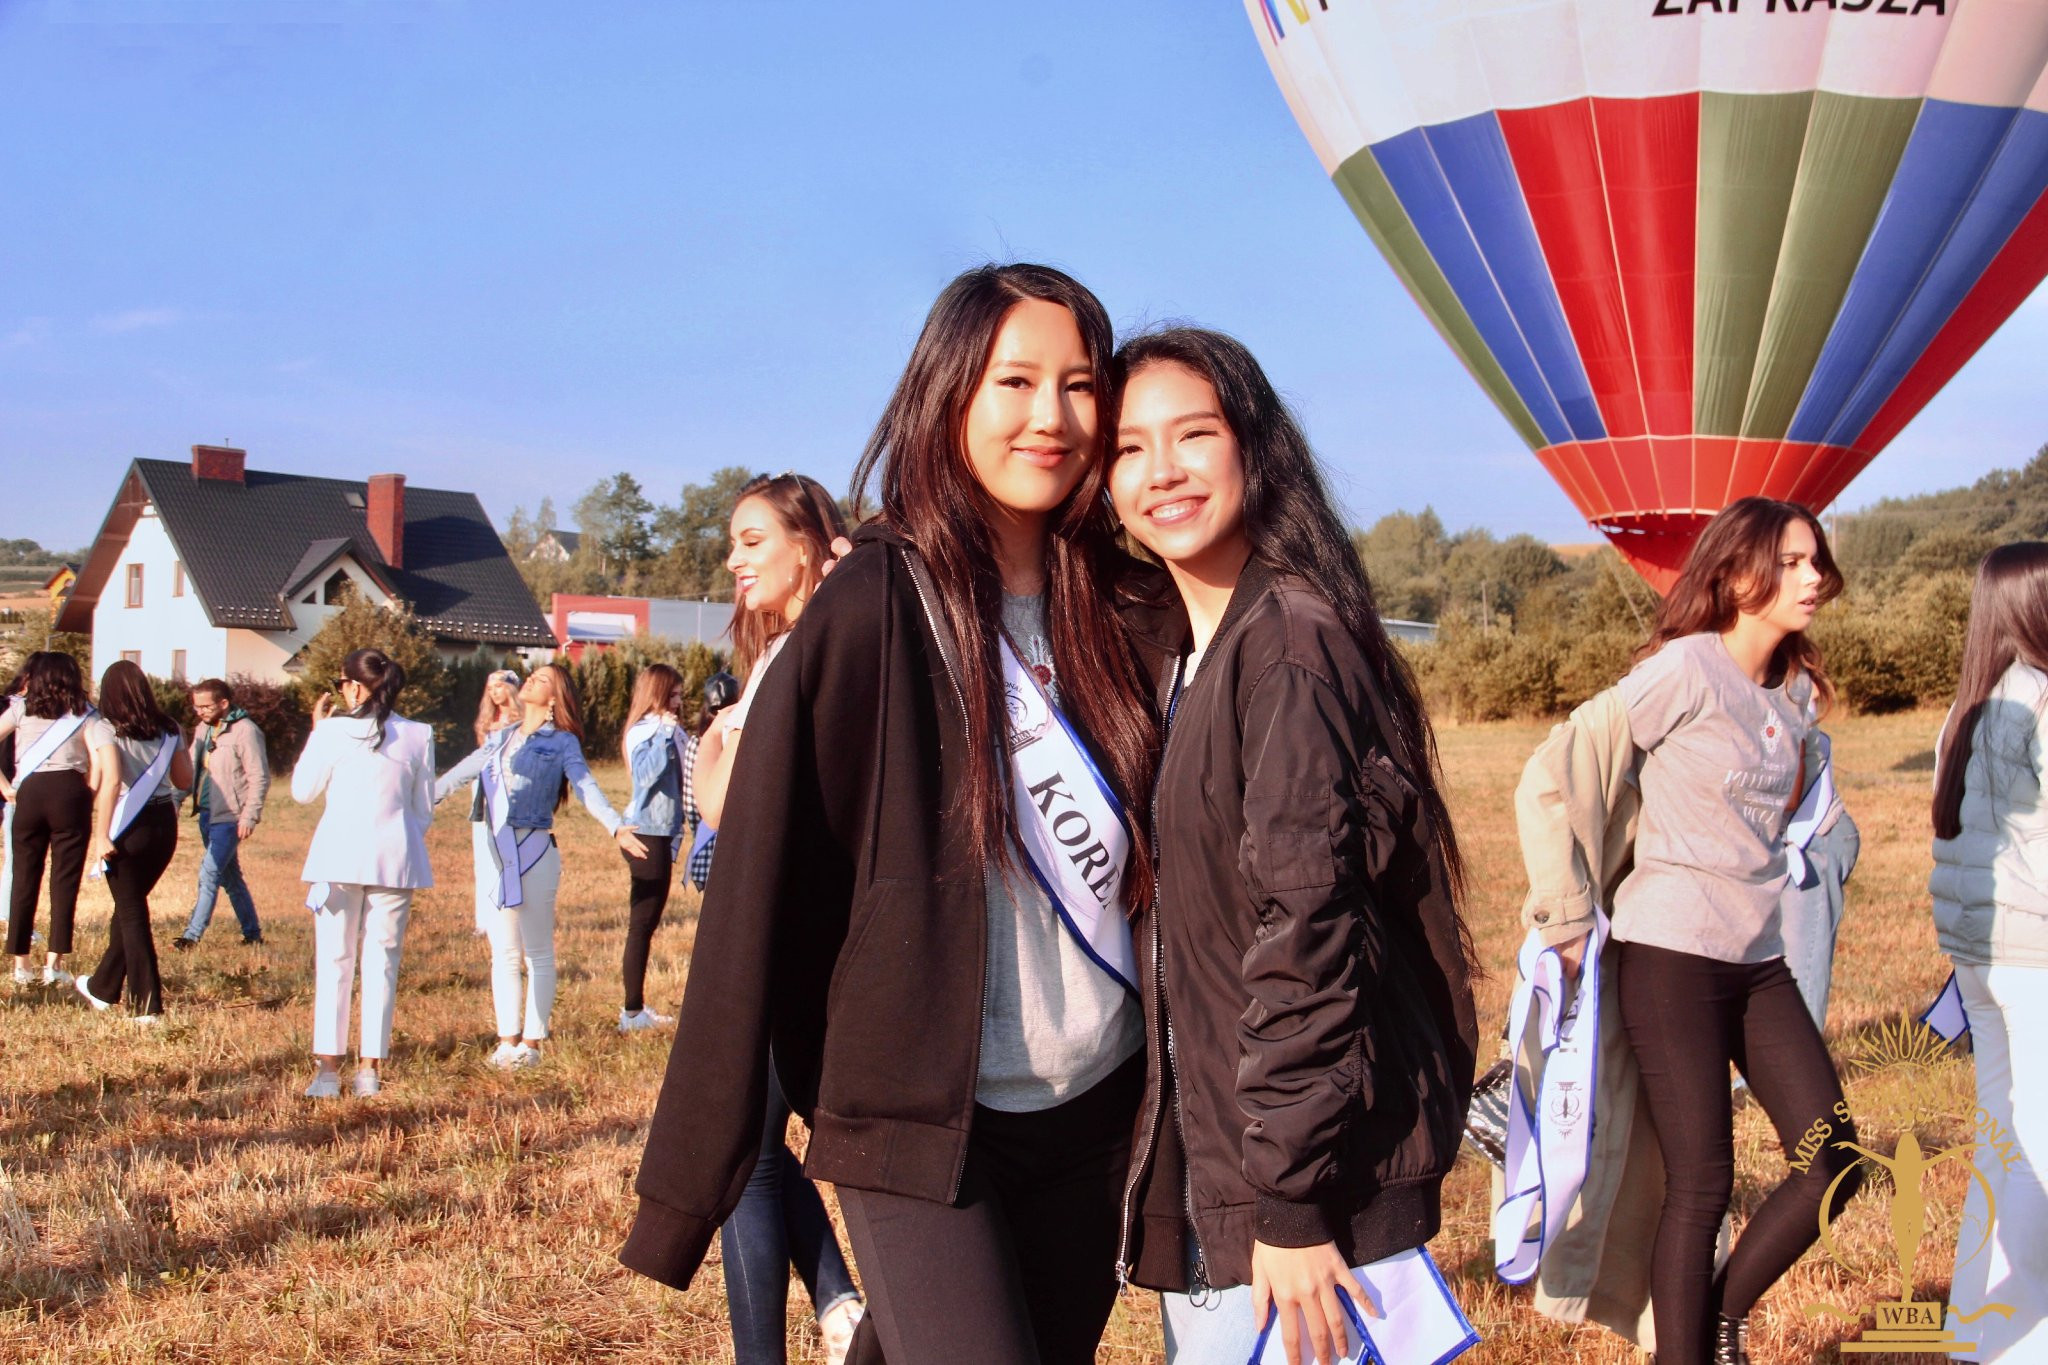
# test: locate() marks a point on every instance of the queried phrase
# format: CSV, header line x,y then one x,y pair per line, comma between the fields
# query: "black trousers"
x,y
651,876
1021,1268
1687,1018
140,856
53,826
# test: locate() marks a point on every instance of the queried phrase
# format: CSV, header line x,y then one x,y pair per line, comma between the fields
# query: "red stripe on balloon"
x,y
1649,149
1713,469
1557,162
2003,287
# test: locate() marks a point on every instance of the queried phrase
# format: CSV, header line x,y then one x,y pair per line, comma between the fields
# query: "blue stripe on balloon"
x,y
1413,169
1475,160
1969,174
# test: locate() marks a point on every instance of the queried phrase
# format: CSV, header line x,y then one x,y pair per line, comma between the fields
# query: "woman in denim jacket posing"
x,y
526,773
652,747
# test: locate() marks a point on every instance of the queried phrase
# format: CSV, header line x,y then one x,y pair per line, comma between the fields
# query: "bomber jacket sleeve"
x,y
1305,861
1564,802
773,916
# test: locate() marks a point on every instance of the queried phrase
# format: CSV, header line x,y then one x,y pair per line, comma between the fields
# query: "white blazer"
x,y
379,802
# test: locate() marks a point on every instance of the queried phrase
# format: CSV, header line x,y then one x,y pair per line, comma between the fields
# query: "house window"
x,y
133,656
335,587
178,665
178,578
134,585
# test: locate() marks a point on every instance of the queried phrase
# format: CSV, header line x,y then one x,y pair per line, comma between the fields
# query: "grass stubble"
x,y
168,1195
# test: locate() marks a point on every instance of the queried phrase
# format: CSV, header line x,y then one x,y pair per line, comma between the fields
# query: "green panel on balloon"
x,y
1853,146
1749,165
1364,187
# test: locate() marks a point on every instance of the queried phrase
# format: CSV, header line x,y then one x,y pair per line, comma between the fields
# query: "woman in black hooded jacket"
x,y
1305,969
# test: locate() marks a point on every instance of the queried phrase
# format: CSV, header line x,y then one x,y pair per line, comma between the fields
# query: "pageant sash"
x,y
1070,825
1550,1139
515,851
51,740
1419,1322
1946,1015
138,795
1813,807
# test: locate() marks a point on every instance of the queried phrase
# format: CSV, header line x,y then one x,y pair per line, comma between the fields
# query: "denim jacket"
x,y
657,779
536,769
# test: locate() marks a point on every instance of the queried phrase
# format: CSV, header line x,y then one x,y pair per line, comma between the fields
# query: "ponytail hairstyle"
x,y
809,516
129,703
1733,568
54,687
652,691
2008,624
382,674
931,497
568,713
1294,529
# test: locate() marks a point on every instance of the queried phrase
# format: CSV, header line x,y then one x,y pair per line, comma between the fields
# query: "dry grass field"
x,y
168,1195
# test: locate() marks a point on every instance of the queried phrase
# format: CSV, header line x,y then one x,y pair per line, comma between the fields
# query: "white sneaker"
x,y
366,1083
642,1018
502,1057
57,976
326,1086
144,1020
525,1055
23,976
836,1328
80,985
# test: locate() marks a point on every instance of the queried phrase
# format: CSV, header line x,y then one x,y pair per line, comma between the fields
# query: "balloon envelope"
x,y
1692,249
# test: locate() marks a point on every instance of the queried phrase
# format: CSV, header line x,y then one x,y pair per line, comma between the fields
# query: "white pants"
x,y
526,935
372,919
2007,1004
486,863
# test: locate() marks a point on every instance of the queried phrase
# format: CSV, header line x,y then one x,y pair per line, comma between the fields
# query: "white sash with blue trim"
x,y
1419,1321
1550,1139
138,795
516,851
1946,1016
49,742
1070,825
1804,826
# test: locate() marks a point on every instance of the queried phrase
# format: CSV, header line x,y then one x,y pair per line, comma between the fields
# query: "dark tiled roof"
x,y
243,543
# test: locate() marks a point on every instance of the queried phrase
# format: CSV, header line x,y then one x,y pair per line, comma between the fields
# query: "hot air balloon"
x,y
1692,249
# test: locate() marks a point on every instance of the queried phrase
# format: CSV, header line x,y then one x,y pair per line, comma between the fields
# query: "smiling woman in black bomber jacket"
x,y
1305,969
970,1072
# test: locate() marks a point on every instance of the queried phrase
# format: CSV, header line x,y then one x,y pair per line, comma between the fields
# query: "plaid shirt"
x,y
698,871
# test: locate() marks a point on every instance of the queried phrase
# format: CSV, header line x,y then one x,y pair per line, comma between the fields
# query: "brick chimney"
x,y
386,515
218,462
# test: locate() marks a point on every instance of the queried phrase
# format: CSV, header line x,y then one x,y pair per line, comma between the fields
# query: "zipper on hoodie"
x,y
1154,1036
959,696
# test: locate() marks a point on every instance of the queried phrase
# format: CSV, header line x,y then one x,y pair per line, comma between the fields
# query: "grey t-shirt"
x,y
1052,1022
1719,775
136,756
73,755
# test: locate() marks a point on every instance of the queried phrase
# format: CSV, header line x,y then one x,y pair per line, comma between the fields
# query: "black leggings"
x,y
1021,1268
53,824
1687,1018
140,856
651,876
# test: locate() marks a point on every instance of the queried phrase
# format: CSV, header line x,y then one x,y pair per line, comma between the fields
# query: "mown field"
x,y
168,1195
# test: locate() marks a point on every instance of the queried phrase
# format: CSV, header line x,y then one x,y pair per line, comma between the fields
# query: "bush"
x,y
1594,662
1896,652
604,683
282,711
361,624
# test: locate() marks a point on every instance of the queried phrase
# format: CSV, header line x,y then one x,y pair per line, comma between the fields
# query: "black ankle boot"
x,y
1731,1340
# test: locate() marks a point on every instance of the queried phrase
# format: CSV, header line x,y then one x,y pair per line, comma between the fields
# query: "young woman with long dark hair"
x,y
947,1000
139,830
652,745
64,759
1306,970
368,856
1718,707
527,771
1990,892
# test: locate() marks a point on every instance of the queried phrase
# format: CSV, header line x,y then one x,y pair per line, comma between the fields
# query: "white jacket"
x,y
1990,882
379,802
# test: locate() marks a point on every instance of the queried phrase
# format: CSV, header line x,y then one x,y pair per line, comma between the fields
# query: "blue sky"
x,y
514,247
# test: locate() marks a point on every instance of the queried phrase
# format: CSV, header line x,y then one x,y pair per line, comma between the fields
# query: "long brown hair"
x,y
930,496
129,703
1733,568
807,514
651,691
2008,624
568,714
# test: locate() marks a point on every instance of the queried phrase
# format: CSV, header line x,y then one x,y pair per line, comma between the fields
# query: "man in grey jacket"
x,y
232,776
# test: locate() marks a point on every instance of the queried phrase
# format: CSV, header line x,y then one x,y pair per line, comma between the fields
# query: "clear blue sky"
x,y
514,247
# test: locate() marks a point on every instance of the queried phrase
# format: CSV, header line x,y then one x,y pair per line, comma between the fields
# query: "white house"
x,y
211,569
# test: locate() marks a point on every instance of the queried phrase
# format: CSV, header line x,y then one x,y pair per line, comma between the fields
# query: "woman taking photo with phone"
x,y
368,857
1990,891
950,1007
1305,968
64,760
526,772
139,831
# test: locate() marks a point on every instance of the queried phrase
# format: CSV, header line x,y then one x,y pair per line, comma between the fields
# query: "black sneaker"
x,y
252,940
183,944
